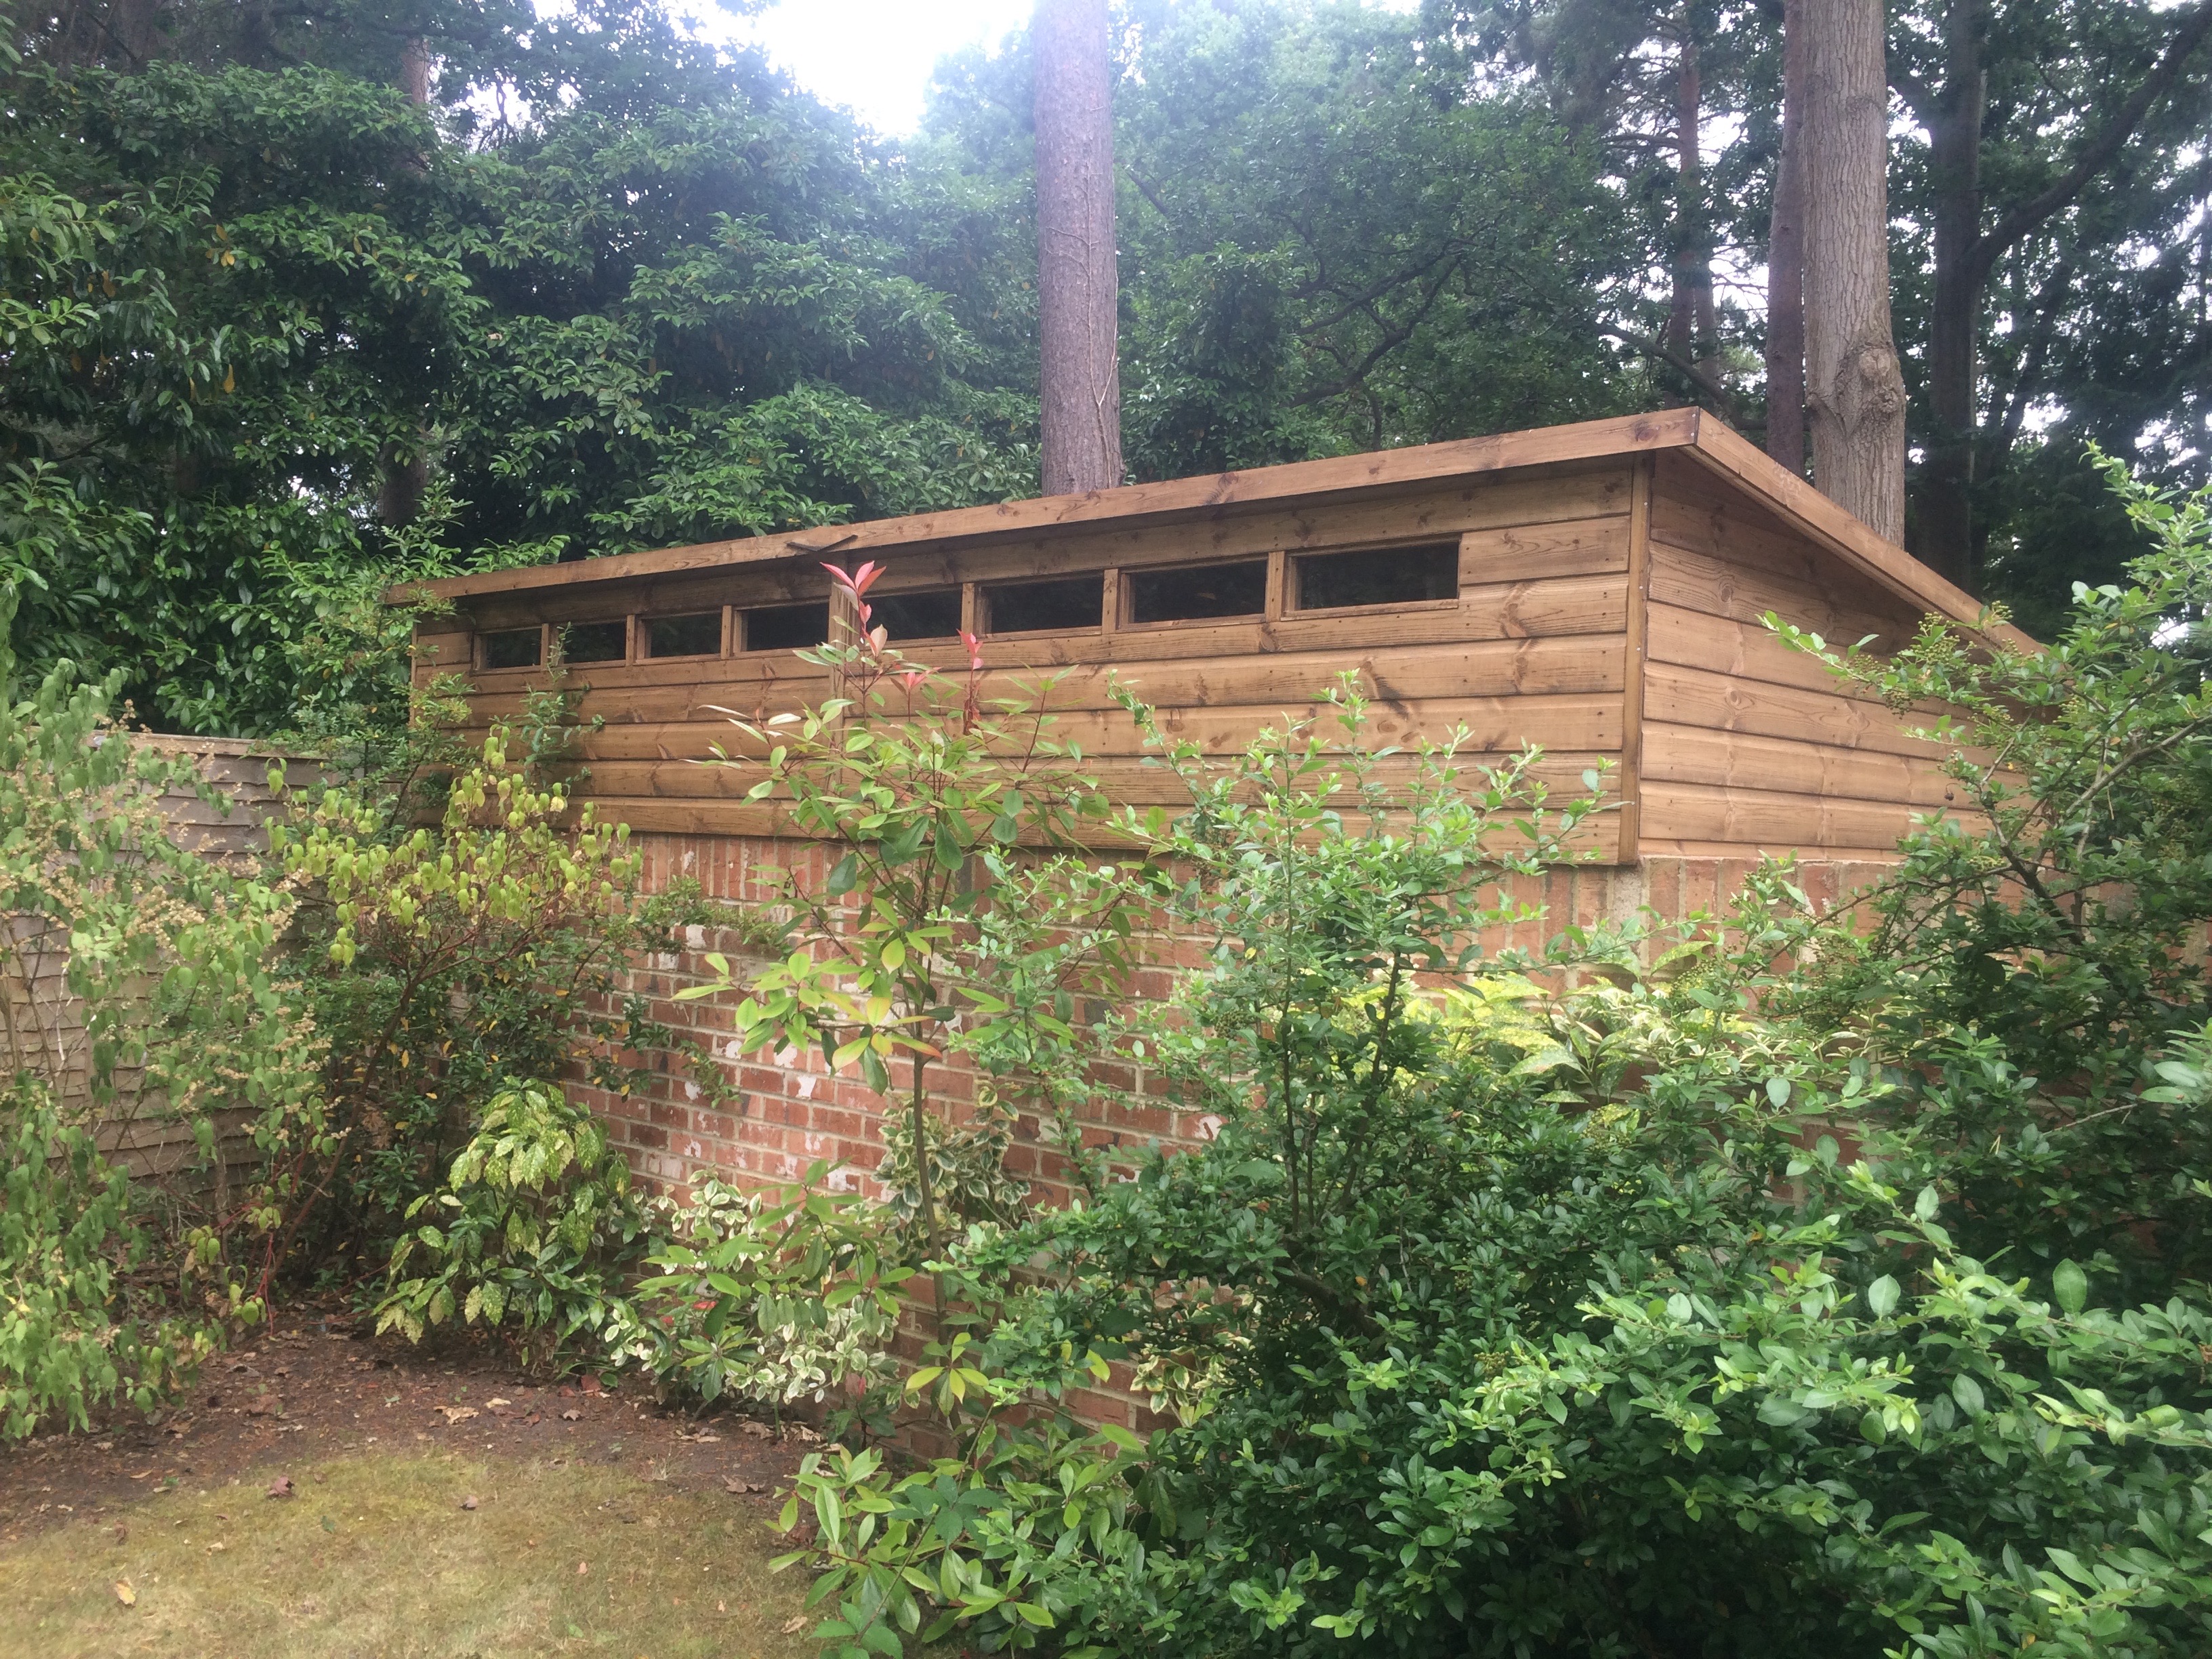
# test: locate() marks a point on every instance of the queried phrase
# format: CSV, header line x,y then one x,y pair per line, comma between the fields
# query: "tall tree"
x,y
1785,257
1855,384
2142,60
1659,86
1078,280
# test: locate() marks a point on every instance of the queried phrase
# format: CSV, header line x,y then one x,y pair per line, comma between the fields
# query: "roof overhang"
x,y
1698,436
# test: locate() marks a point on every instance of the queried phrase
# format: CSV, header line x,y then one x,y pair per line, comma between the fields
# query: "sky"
x,y
874,56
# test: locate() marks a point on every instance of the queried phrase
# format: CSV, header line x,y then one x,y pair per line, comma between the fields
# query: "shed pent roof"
x,y
1695,435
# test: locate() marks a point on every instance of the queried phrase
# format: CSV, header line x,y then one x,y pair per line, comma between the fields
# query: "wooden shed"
x,y
1596,589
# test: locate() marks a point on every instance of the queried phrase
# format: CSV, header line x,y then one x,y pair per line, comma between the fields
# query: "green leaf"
x,y
2070,1286
1882,1295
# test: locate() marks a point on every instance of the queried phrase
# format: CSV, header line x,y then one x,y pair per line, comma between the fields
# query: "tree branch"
x,y
2189,33
1696,376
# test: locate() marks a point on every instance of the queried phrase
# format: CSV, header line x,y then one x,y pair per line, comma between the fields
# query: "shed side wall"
x,y
1746,743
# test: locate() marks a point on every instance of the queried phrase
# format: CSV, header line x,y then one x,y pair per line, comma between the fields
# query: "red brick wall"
x,y
783,1111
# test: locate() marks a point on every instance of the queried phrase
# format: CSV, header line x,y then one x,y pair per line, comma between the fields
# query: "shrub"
x,y
1564,1322
772,1297
961,917
79,1326
142,996
534,1229
447,958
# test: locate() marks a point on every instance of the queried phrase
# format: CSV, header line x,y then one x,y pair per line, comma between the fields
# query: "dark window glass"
x,y
787,627
513,648
932,616
699,634
1041,607
1191,592
598,641
1387,575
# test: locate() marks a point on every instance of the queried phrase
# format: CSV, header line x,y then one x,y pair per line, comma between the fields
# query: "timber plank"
x,y
1724,587
1697,755
1531,552
1691,696
1124,780
1741,650
1580,504
1595,840
1770,820
1288,682
1729,456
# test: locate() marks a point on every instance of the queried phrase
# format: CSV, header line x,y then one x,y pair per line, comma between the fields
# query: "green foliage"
x,y
143,998
278,338
534,1228
937,929
1507,1316
771,1297
2061,923
446,958
82,1326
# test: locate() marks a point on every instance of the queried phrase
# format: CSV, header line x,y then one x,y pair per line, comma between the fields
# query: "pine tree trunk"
x,y
1943,526
1080,387
415,71
1855,385
402,471
1785,258
1692,323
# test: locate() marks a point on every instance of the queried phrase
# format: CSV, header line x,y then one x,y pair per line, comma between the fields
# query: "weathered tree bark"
x,y
1785,258
1691,326
1078,281
402,471
415,71
1854,384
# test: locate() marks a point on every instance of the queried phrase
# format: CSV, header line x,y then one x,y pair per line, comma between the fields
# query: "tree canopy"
x,y
296,301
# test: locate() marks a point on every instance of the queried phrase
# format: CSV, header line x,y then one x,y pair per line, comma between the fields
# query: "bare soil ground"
x,y
322,1493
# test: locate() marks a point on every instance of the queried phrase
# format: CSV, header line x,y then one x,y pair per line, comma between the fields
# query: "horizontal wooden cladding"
x,y
1575,721
1690,696
1597,838
1768,819
1526,636
1488,509
1282,686
1652,846
1533,552
1124,780
1718,586
1720,459
1734,760
1741,650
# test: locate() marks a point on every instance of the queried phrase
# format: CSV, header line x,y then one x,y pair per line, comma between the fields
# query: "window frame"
x,y
640,636
1293,581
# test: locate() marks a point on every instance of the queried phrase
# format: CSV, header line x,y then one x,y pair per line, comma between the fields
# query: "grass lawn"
x,y
375,1556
